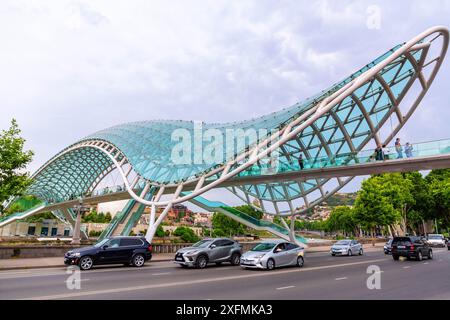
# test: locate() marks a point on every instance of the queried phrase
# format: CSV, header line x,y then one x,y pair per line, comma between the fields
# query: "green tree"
x,y
372,207
108,217
421,209
225,226
186,234
13,160
342,219
160,232
397,190
439,181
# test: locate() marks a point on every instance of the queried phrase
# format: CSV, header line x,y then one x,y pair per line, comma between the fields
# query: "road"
x,y
322,277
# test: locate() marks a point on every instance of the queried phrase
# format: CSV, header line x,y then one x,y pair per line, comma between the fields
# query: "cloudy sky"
x,y
70,68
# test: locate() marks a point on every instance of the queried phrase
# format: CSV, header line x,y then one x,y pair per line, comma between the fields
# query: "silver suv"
x,y
210,250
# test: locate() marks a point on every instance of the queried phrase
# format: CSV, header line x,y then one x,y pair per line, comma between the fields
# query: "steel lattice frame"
x,y
338,122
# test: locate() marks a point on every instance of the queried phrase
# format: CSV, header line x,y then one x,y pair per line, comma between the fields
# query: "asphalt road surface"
x,y
322,277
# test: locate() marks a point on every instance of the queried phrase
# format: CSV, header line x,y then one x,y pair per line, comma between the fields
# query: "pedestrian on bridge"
x,y
300,161
398,148
379,153
386,152
408,150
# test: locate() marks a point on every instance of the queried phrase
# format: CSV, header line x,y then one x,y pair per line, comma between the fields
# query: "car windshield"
x,y
343,242
435,237
101,243
202,243
389,241
263,246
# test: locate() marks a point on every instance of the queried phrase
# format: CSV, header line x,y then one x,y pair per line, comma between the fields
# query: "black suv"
x,y
127,250
411,247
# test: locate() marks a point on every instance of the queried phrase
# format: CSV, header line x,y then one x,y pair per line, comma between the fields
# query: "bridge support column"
x,y
153,225
77,230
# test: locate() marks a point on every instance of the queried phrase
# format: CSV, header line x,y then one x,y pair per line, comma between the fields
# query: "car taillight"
x,y
150,248
411,247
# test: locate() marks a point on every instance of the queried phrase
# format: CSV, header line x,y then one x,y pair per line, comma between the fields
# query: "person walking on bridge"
x,y
408,150
379,153
398,148
300,161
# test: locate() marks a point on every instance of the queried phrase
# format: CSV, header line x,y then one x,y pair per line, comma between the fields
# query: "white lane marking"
x,y
342,278
14,272
426,263
406,267
160,274
288,287
192,282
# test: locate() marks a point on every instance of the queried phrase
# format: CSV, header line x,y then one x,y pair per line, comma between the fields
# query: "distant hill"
x,y
340,199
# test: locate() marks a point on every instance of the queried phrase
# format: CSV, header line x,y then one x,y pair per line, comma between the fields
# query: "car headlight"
x,y
75,254
191,252
259,256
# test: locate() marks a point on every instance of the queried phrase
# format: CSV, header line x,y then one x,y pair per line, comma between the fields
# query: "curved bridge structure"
x,y
157,165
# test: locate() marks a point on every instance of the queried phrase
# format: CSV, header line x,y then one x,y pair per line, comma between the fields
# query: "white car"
x,y
271,254
436,240
346,247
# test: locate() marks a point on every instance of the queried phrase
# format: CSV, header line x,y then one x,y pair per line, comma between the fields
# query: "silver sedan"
x,y
346,247
271,254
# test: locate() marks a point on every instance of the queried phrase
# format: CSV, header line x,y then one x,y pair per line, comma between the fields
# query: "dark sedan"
x,y
116,250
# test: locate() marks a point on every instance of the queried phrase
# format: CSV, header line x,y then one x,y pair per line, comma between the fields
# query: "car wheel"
x,y
86,263
201,262
333,254
300,261
138,260
430,254
395,257
235,259
349,253
270,264
419,256
361,252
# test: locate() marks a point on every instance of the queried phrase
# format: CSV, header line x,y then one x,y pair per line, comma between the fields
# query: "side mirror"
x,y
212,246
105,247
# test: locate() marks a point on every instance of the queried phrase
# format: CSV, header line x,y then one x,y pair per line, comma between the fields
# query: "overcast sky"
x,y
70,68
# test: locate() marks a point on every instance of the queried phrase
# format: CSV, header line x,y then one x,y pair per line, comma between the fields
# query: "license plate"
x,y
401,247
179,259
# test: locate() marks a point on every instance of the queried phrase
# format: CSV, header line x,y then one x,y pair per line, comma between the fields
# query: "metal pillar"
x,y
77,230
80,209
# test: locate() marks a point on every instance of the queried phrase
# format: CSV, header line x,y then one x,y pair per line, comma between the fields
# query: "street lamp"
x,y
79,209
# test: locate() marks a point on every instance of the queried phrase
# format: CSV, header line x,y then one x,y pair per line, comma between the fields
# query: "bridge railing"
x,y
423,149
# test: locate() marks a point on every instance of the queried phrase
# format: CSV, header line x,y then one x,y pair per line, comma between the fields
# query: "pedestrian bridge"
x,y
306,153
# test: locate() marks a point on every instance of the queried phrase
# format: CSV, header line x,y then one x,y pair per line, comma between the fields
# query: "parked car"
x,y
346,247
209,250
436,240
271,254
411,247
115,250
388,247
